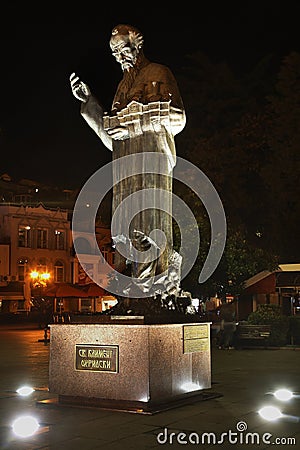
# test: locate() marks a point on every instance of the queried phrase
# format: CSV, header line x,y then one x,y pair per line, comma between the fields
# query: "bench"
x,y
252,334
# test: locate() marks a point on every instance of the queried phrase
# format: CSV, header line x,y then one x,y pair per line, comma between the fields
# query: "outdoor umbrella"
x,y
63,290
94,290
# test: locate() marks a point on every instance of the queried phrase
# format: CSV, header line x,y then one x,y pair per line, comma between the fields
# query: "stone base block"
x,y
141,367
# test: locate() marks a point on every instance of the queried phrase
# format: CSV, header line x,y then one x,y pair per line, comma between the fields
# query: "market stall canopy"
x,y
63,290
94,290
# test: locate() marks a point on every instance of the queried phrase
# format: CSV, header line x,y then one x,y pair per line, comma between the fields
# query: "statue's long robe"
x,y
151,109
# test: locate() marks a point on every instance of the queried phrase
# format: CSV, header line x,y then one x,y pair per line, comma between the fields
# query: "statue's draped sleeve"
x,y
92,112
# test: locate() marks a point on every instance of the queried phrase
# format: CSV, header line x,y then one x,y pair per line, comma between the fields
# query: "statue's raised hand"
x,y
80,90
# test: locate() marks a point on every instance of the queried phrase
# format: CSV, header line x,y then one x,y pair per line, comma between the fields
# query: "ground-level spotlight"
x,y
190,387
284,395
25,426
25,390
270,413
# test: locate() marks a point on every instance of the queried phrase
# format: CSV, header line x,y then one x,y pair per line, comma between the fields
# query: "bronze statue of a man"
x,y
147,112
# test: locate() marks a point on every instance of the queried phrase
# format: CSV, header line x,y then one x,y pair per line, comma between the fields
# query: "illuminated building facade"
x,y
36,250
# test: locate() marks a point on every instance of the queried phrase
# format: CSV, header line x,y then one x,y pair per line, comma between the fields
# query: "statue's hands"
x,y
118,133
80,90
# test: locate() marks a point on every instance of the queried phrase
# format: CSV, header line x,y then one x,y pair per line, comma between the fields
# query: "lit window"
x,y
59,272
83,246
21,268
86,305
42,238
42,266
60,240
24,236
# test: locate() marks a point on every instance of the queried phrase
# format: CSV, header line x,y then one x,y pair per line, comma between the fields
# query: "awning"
x,y
13,290
63,290
94,290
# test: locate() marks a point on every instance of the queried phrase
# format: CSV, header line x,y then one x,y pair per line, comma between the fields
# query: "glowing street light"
x,y
45,276
283,395
24,391
270,413
25,426
34,275
40,278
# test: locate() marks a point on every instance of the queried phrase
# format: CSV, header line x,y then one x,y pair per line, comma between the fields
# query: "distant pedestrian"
x,y
228,326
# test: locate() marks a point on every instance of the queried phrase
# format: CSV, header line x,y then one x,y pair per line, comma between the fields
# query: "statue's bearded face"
x,y
124,51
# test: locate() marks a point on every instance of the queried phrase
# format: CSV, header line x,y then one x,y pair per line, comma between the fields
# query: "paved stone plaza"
x,y
243,378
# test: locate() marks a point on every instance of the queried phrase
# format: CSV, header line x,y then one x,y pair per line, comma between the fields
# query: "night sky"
x,y
43,136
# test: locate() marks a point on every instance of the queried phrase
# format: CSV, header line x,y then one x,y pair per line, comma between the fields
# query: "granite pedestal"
x,y
129,367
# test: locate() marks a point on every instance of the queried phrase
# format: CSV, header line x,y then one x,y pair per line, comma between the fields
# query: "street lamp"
x,y
39,279
39,282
